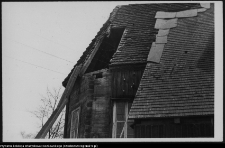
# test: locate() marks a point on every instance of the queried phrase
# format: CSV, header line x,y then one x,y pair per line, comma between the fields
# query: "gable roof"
x,y
139,21
182,83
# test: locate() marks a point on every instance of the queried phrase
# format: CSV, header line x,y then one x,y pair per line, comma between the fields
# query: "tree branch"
x,y
47,107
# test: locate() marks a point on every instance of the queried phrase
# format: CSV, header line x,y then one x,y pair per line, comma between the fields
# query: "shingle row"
x,y
140,21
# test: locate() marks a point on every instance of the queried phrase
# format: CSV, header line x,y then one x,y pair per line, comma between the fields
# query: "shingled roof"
x,y
182,83
139,21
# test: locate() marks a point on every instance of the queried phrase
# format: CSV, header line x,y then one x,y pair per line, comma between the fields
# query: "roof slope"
x,y
139,21
182,83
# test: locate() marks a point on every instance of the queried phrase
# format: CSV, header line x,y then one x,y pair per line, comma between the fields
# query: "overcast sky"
x,y
41,42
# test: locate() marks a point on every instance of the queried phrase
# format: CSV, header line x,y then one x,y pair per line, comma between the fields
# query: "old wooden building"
x,y
149,73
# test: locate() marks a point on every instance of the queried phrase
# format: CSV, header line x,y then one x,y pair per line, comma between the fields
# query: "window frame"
x,y
126,112
77,112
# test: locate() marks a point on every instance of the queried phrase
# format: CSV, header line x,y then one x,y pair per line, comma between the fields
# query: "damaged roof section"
x,y
182,83
102,32
138,21
107,48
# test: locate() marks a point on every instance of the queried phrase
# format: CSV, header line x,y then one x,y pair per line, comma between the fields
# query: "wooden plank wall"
x,y
166,128
125,80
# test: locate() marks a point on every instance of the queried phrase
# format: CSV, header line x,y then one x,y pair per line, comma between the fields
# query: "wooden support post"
x,y
64,99
114,121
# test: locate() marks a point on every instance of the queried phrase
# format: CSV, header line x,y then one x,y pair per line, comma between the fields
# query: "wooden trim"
x,y
114,121
71,82
126,119
66,120
71,121
90,58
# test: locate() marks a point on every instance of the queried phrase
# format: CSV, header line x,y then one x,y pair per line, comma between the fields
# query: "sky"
x,y
41,42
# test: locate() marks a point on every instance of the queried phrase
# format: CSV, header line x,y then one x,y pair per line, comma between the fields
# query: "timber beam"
x,y
62,103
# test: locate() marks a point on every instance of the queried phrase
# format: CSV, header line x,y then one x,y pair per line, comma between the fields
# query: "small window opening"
x,y
106,50
98,75
185,52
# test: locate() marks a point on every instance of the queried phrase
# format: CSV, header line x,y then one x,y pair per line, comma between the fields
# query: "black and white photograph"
x,y
112,71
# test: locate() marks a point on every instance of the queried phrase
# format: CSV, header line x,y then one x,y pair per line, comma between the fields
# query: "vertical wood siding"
x,y
165,129
125,81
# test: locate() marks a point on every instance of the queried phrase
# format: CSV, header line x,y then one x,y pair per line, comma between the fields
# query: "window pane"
x,y
74,120
119,129
74,123
120,107
120,111
120,117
